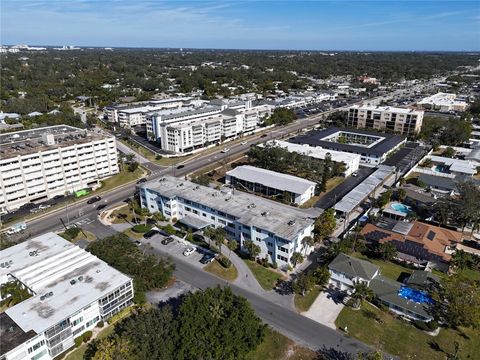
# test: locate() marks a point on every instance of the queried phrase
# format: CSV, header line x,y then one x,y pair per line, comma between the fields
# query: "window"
x,y
258,239
36,346
270,253
283,258
269,243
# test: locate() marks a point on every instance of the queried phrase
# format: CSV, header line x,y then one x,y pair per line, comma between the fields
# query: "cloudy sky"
x,y
316,25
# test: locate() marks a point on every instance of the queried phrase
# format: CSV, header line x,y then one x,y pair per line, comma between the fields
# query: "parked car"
x,y
243,143
151,233
198,237
168,241
189,251
207,258
142,180
180,166
355,174
264,136
138,243
94,199
225,150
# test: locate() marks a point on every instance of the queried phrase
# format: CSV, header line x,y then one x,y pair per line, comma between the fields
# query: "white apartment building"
x,y
399,120
443,102
186,129
351,161
72,290
276,228
292,189
131,115
39,164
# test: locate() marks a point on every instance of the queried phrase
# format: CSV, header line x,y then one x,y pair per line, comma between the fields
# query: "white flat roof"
x,y
398,110
442,99
271,179
457,165
47,264
317,151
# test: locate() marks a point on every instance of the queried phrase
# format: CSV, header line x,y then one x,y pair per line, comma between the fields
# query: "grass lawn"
x,y
132,234
275,346
215,268
80,351
383,331
122,215
85,235
164,161
266,277
333,182
470,274
388,269
310,202
121,178
303,303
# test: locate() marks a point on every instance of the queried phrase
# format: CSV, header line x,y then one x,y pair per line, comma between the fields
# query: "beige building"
x,y
398,120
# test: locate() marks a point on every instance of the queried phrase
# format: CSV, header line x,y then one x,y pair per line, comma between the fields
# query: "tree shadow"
x,y
333,354
434,346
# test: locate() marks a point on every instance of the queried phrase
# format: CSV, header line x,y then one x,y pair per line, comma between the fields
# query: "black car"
x,y
198,237
264,136
101,206
150,234
180,166
142,180
207,258
94,199
167,241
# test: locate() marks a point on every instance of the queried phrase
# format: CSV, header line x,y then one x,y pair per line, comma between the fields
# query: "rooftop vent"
x,y
252,206
73,282
291,222
80,278
265,213
33,253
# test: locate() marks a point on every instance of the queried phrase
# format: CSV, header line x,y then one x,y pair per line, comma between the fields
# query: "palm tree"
x,y
361,291
296,258
232,245
14,293
387,251
306,242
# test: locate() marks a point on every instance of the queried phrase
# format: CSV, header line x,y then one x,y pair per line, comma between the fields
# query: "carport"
x,y
194,222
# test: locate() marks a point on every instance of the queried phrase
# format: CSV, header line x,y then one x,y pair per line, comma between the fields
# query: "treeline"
x,y
445,131
209,324
148,272
275,158
52,77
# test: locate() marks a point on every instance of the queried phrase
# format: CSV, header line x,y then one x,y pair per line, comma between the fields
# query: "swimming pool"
x,y
415,295
439,168
401,208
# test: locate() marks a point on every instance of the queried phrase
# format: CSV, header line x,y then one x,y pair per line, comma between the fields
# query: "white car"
x,y
225,150
42,207
189,251
355,174
243,143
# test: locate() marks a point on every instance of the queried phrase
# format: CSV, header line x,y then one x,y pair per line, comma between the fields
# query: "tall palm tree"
x,y
14,292
306,242
361,291
296,258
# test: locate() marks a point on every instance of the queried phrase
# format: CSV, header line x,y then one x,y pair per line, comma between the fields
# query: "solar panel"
x,y
431,235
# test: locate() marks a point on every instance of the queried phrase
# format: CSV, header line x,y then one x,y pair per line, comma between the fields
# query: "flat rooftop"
x,y
271,179
31,141
70,277
283,220
442,99
384,143
11,334
398,110
172,114
316,151
361,191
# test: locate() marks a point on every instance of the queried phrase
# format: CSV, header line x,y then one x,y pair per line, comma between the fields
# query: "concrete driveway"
x,y
325,308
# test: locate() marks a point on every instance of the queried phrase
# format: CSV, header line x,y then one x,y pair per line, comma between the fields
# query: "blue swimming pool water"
x,y
414,295
401,208
439,168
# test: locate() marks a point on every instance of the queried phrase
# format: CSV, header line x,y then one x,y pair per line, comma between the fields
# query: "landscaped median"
x,y
398,337
217,269
267,278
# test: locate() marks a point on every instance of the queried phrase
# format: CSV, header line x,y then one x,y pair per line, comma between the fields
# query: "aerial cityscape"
x,y
258,180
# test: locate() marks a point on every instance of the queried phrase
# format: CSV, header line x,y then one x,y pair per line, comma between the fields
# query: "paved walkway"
x,y
325,308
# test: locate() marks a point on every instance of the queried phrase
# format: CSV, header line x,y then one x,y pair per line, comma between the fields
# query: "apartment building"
x,y
130,115
399,120
39,164
187,129
72,290
276,228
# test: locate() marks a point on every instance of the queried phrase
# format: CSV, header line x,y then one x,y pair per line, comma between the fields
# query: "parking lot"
x,y
176,248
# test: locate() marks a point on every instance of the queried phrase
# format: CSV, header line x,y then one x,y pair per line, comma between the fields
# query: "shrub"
x,y
169,229
141,228
87,335
158,157
432,325
275,265
70,233
78,341
225,262
426,326
100,324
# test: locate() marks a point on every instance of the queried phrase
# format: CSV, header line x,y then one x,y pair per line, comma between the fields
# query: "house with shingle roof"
x,y
347,270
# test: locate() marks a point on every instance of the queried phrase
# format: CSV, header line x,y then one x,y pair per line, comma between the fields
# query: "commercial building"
x,y
351,161
71,289
39,164
398,120
276,228
130,115
444,102
290,189
373,148
416,242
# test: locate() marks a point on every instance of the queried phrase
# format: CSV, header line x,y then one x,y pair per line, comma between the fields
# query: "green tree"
x,y
321,275
232,246
307,242
13,292
324,225
401,194
297,258
448,152
457,302
303,283
133,166
384,198
252,249
387,251
361,292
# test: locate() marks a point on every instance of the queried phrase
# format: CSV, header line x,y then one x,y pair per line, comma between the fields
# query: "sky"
x,y
296,25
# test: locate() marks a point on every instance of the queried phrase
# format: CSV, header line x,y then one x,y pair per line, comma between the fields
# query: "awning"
x,y
194,222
